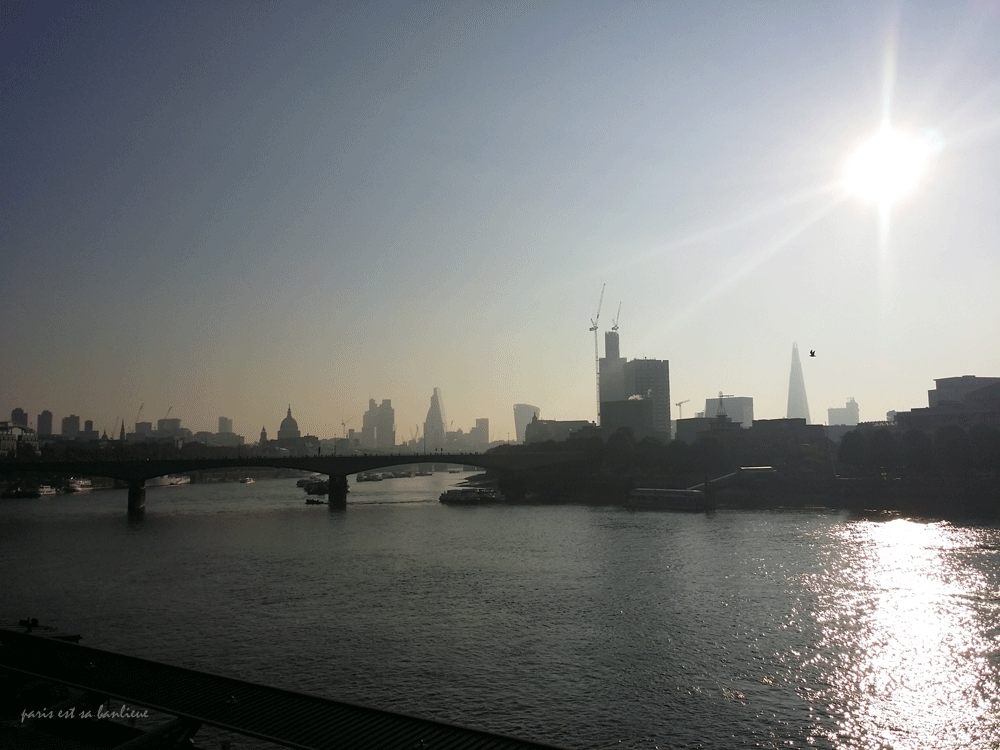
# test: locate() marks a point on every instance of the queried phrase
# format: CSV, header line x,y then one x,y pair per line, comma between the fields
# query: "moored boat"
x,y
246,480
79,485
471,496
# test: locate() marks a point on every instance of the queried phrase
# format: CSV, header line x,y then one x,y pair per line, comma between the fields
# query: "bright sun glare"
x,y
886,166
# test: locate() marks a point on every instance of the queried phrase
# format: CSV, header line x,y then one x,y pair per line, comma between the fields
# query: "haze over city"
x,y
227,208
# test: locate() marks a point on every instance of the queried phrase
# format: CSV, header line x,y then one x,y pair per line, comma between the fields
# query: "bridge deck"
x,y
283,717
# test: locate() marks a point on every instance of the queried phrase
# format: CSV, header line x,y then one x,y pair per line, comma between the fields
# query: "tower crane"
x,y
597,357
680,411
614,322
344,425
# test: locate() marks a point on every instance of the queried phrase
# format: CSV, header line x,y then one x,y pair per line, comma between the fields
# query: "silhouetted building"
x,y
636,392
435,431
739,409
289,429
263,436
612,370
798,407
168,428
88,433
70,426
19,416
16,437
650,379
956,389
225,425
523,414
479,436
378,426
849,415
955,402
45,423
541,430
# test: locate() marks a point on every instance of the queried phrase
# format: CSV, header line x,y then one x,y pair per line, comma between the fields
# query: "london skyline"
x,y
225,209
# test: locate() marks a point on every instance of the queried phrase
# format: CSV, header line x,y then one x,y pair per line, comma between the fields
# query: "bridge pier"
x,y
136,495
336,495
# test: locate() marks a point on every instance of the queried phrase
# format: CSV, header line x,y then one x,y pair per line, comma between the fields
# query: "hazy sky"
x,y
225,208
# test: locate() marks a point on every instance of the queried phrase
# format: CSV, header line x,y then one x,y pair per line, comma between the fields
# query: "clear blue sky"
x,y
225,208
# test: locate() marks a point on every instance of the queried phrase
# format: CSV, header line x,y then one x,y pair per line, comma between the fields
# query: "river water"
x,y
589,627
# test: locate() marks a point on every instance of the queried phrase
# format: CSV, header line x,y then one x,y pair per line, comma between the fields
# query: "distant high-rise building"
x,y
71,426
798,407
636,392
263,436
378,426
523,414
225,425
846,416
483,431
650,379
956,389
435,427
19,417
45,423
612,370
739,409
168,427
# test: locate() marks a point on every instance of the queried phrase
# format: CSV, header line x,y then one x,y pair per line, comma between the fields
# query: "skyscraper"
x,y
71,426
435,427
523,414
225,425
798,407
379,426
19,416
45,423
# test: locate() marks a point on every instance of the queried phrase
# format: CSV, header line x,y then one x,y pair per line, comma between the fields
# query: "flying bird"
x,y
812,352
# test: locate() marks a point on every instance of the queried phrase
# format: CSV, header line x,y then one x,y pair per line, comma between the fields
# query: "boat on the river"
x,y
246,480
471,496
692,501
46,489
79,485
315,501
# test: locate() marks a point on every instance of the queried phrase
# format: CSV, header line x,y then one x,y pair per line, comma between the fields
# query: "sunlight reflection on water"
x,y
901,652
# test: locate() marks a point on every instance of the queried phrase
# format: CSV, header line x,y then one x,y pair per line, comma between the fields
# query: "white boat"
x,y
79,485
668,499
246,480
471,496
46,489
169,480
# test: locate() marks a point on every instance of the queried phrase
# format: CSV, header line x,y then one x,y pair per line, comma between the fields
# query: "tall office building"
x,y
45,423
435,427
650,379
71,426
19,417
612,369
798,407
523,414
225,425
378,426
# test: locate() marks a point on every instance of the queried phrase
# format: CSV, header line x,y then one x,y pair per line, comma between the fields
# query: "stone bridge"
x,y
136,471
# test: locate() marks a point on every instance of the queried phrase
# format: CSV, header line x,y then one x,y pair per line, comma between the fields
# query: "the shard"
x,y
435,426
798,407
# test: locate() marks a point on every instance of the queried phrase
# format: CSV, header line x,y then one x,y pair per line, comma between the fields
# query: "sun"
x,y
886,166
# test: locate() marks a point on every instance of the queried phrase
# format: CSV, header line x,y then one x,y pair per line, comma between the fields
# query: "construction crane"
x,y
168,412
680,411
344,425
614,322
597,356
